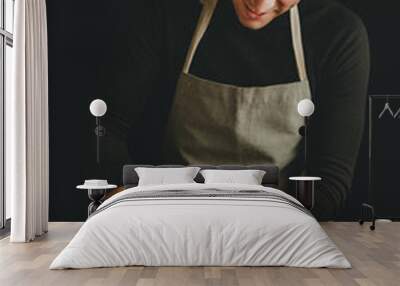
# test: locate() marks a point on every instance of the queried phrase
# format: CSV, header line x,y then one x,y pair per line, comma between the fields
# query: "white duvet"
x,y
202,232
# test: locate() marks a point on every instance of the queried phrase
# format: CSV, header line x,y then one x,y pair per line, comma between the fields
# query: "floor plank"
x,y
375,257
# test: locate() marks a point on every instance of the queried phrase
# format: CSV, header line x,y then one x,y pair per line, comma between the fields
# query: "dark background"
x,y
81,39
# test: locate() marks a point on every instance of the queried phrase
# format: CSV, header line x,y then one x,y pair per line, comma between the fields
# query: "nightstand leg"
x,y
93,207
96,196
305,193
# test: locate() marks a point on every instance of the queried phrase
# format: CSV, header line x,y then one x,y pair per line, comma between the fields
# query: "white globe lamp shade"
x,y
306,108
98,108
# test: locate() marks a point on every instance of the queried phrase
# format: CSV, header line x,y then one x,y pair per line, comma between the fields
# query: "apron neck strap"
x,y
205,19
202,25
297,39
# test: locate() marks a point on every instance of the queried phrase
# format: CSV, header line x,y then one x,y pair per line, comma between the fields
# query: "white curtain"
x,y
27,144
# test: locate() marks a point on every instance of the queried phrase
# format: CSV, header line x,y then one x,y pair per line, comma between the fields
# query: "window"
x,y
6,62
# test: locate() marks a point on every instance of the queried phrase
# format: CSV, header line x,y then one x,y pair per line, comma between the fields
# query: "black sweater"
x,y
149,47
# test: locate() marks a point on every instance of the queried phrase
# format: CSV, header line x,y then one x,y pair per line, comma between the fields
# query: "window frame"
x,y
6,39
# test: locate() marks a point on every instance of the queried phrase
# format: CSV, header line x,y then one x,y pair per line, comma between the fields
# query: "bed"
x,y
201,224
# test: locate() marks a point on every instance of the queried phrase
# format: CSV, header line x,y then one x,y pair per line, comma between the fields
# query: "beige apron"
x,y
214,123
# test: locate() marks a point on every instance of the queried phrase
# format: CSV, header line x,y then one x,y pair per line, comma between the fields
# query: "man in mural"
x,y
222,80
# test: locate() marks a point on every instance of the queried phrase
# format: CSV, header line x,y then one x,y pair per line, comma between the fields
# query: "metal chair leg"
x,y
371,209
361,221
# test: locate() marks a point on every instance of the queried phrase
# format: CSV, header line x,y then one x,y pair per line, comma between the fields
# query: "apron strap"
x,y
205,19
202,25
297,40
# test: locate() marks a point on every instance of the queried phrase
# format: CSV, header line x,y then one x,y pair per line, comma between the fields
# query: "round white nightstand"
x,y
305,190
96,195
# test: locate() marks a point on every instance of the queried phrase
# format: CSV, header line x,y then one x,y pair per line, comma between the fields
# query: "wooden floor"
x,y
375,257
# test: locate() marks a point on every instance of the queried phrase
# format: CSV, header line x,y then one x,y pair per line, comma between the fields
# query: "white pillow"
x,y
166,176
246,177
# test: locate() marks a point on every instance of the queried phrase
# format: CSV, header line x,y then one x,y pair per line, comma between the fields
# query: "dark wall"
x,y
80,40
77,38
381,20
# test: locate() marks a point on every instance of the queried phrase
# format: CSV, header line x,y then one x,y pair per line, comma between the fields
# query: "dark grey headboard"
x,y
271,178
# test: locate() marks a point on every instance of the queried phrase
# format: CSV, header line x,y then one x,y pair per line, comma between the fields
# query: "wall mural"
x,y
160,92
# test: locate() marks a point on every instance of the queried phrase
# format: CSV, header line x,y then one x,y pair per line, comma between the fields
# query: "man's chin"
x,y
254,24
